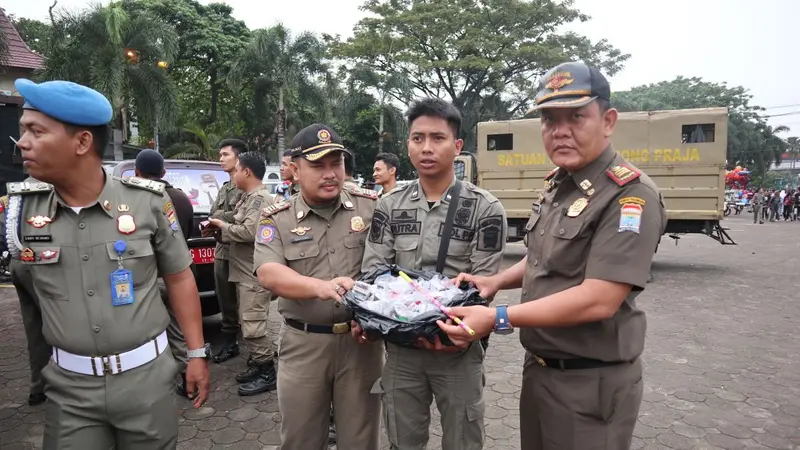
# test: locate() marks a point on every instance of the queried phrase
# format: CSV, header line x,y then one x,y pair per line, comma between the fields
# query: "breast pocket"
x,y
529,227
405,248
567,243
299,257
138,258
354,254
49,275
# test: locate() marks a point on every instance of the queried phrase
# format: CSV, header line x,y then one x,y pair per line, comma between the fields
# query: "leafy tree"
x,y
194,143
751,141
33,32
116,53
474,52
280,68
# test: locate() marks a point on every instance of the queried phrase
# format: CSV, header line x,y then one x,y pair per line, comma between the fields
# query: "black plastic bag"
x,y
377,326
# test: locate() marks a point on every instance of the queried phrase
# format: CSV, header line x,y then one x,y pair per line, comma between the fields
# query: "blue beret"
x,y
66,101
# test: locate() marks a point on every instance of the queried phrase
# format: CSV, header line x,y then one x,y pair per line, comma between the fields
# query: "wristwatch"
x,y
501,323
203,352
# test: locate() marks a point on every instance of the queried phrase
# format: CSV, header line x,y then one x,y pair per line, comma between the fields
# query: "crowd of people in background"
x,y
771,205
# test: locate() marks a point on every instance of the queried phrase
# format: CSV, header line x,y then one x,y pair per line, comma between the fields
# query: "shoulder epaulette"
x,y
357,191
26,187
394,190
153,186
551,174
275,207
623,174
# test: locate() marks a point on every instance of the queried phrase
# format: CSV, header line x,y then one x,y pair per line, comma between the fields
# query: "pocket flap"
x,y
138,248
42,255
294,252
355,240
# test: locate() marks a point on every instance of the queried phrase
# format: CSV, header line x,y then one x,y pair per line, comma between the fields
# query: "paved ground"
x,y
722,359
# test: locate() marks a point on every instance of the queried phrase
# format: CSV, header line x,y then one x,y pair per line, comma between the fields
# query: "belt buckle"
x,y
107,364
341,328
539,361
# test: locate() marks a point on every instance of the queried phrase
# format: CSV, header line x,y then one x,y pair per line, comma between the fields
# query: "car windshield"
x,y
201,185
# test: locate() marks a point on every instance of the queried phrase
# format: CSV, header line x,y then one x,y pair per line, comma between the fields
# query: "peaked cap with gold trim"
x,y
571,85
315,141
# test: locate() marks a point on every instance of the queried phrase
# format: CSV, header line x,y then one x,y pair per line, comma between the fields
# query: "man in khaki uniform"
x,y
406,230
38,350
223,209
591,239
758,203
286,191
307,252
259,376
95,246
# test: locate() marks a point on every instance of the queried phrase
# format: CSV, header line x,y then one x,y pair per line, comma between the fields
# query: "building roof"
x,y
20,55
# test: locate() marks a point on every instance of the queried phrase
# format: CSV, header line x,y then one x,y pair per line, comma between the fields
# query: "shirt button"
x,y
131,251
561,231
555,204
81,225
90,292
541,232
85,257
524,293
333,250
96,329
535,262
302,253
337,304
329,225
360,242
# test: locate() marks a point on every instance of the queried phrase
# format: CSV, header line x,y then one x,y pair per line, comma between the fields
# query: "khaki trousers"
x,y
134,410
39,351
226,296
316,370
412,378
591,409
254,312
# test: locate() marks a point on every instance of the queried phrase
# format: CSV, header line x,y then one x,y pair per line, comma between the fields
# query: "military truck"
x,y
683,151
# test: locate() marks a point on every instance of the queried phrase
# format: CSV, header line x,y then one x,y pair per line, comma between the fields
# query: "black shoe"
x,y
250,373
180,388
332,433
36,399
228,351
266,380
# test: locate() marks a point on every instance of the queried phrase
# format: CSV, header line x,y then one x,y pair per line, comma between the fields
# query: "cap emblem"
x,y
559,80
324,136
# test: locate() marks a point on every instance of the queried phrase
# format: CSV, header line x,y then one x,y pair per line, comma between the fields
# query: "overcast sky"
x,y
754,44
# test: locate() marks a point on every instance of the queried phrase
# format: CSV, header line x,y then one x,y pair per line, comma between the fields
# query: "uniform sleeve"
x,y
380,244
217,212
489,242
172,253
269,246
626,237
244,232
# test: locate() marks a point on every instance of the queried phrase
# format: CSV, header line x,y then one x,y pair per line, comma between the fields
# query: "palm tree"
x,y
280,68
196,144
120,55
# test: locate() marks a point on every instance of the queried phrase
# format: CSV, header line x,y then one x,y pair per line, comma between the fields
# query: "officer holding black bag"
x,y
416,228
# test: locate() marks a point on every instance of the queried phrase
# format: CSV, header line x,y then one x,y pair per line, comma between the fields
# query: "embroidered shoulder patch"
x,y
630,218
623,174
367,193
636,200
275,207
153,186
266,231
28,187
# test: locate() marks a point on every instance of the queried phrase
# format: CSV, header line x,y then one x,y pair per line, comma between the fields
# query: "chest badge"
x,y
357,224
27,255
39,221
577,207
300,231
123,208
125,224
49,254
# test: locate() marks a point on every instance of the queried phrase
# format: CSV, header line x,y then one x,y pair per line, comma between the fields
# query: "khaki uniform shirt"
x,y
603,222
241,235
292,234
71,257
406,231
223,209
758,198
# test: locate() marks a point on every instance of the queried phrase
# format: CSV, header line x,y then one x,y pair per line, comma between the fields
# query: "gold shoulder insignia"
x,y
28,187
551,174
623,174
153,186
368,193
275,207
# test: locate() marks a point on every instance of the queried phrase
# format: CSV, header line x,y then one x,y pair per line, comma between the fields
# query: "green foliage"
x,y
33,32
194,143
485,56
752,143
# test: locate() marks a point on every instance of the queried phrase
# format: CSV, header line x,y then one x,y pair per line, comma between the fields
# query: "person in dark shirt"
x,y
150,165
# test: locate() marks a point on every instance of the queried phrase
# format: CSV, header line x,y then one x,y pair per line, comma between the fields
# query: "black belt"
x,y
574,364
337,328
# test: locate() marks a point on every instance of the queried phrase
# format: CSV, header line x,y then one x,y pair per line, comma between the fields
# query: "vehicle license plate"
x,y
202,255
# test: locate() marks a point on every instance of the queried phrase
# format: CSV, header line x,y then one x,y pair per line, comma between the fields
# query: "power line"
x,y
792,113
782,106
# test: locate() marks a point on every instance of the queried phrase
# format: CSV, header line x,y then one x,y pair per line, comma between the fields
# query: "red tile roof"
x,y
20,55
